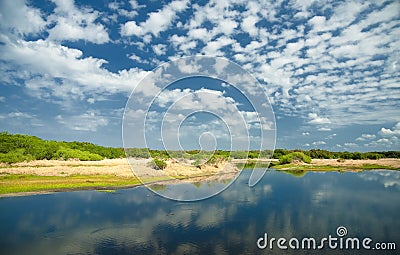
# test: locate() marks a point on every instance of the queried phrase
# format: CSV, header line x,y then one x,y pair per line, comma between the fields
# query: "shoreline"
x,y
31,178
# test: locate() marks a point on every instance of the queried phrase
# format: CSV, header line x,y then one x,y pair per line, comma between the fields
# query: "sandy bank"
x,y
121,167
117,167
395,163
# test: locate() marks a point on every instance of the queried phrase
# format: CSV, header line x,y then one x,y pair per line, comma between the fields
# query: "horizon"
x,y
330,69
150,149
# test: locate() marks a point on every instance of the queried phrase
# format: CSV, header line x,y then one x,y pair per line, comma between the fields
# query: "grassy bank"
x,y
52,175
332,168
16,183
21,183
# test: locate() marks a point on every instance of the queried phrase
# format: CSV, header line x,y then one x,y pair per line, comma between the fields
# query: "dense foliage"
x,y
294,156
17,148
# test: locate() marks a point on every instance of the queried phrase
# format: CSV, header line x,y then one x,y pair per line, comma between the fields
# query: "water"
x,y
136,221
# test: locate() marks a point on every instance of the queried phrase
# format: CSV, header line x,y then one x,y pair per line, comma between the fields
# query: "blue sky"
x,y
330,68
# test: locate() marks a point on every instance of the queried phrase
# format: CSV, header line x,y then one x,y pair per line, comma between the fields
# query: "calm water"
x,y
136,221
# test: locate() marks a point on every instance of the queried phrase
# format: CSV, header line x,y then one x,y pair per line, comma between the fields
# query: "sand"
x,y
351,162
117,167
121,167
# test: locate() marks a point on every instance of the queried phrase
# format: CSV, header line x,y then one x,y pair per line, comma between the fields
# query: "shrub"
x,y
15,156
197,163
67,153
159,164
285,159
300,156
214,160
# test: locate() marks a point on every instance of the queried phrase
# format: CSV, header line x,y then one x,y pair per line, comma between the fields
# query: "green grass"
x,y
331,168
15,183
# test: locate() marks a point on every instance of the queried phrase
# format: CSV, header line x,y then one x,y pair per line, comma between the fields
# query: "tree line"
x,y
253,154
17,148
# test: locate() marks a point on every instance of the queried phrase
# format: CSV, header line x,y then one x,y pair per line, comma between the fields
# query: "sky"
x,y
330,69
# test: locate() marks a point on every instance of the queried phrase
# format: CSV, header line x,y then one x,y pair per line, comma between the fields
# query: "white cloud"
x,y
249,25
228,26
315,119
199,34
118,7
365,137
49,60
134,57
89,121
159,49
324,129
319,143
18,17
395,131
213,48
19,114
130,28
74,24
157,22
305,133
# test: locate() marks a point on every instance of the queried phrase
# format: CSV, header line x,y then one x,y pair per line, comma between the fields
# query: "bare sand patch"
x,y
118,167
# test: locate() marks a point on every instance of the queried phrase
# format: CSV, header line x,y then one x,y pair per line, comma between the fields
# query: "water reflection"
x,y
136,221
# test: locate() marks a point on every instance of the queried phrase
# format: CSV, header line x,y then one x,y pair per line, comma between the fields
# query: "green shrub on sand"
x,y
294,156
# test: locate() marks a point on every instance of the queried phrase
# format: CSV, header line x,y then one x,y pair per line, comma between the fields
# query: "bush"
x,y
15,156
159,164
299,156
285,159
214,160
67,153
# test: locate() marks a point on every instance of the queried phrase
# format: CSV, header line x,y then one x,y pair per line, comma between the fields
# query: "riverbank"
x,y
44,176
348,164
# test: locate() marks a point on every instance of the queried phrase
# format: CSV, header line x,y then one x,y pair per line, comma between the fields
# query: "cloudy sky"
x,y
330,68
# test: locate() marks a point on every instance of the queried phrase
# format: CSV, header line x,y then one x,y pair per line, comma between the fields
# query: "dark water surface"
x,y
136,221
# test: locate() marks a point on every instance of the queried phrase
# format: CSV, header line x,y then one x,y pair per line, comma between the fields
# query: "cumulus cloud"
x,y
46,61
159,49
72,24
88,121
315,119
395,131
157,21
365,137
18,17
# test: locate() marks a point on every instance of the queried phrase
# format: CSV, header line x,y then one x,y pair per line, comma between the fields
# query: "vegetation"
x,y
12,183
294,156
158,164
332,168
18,148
